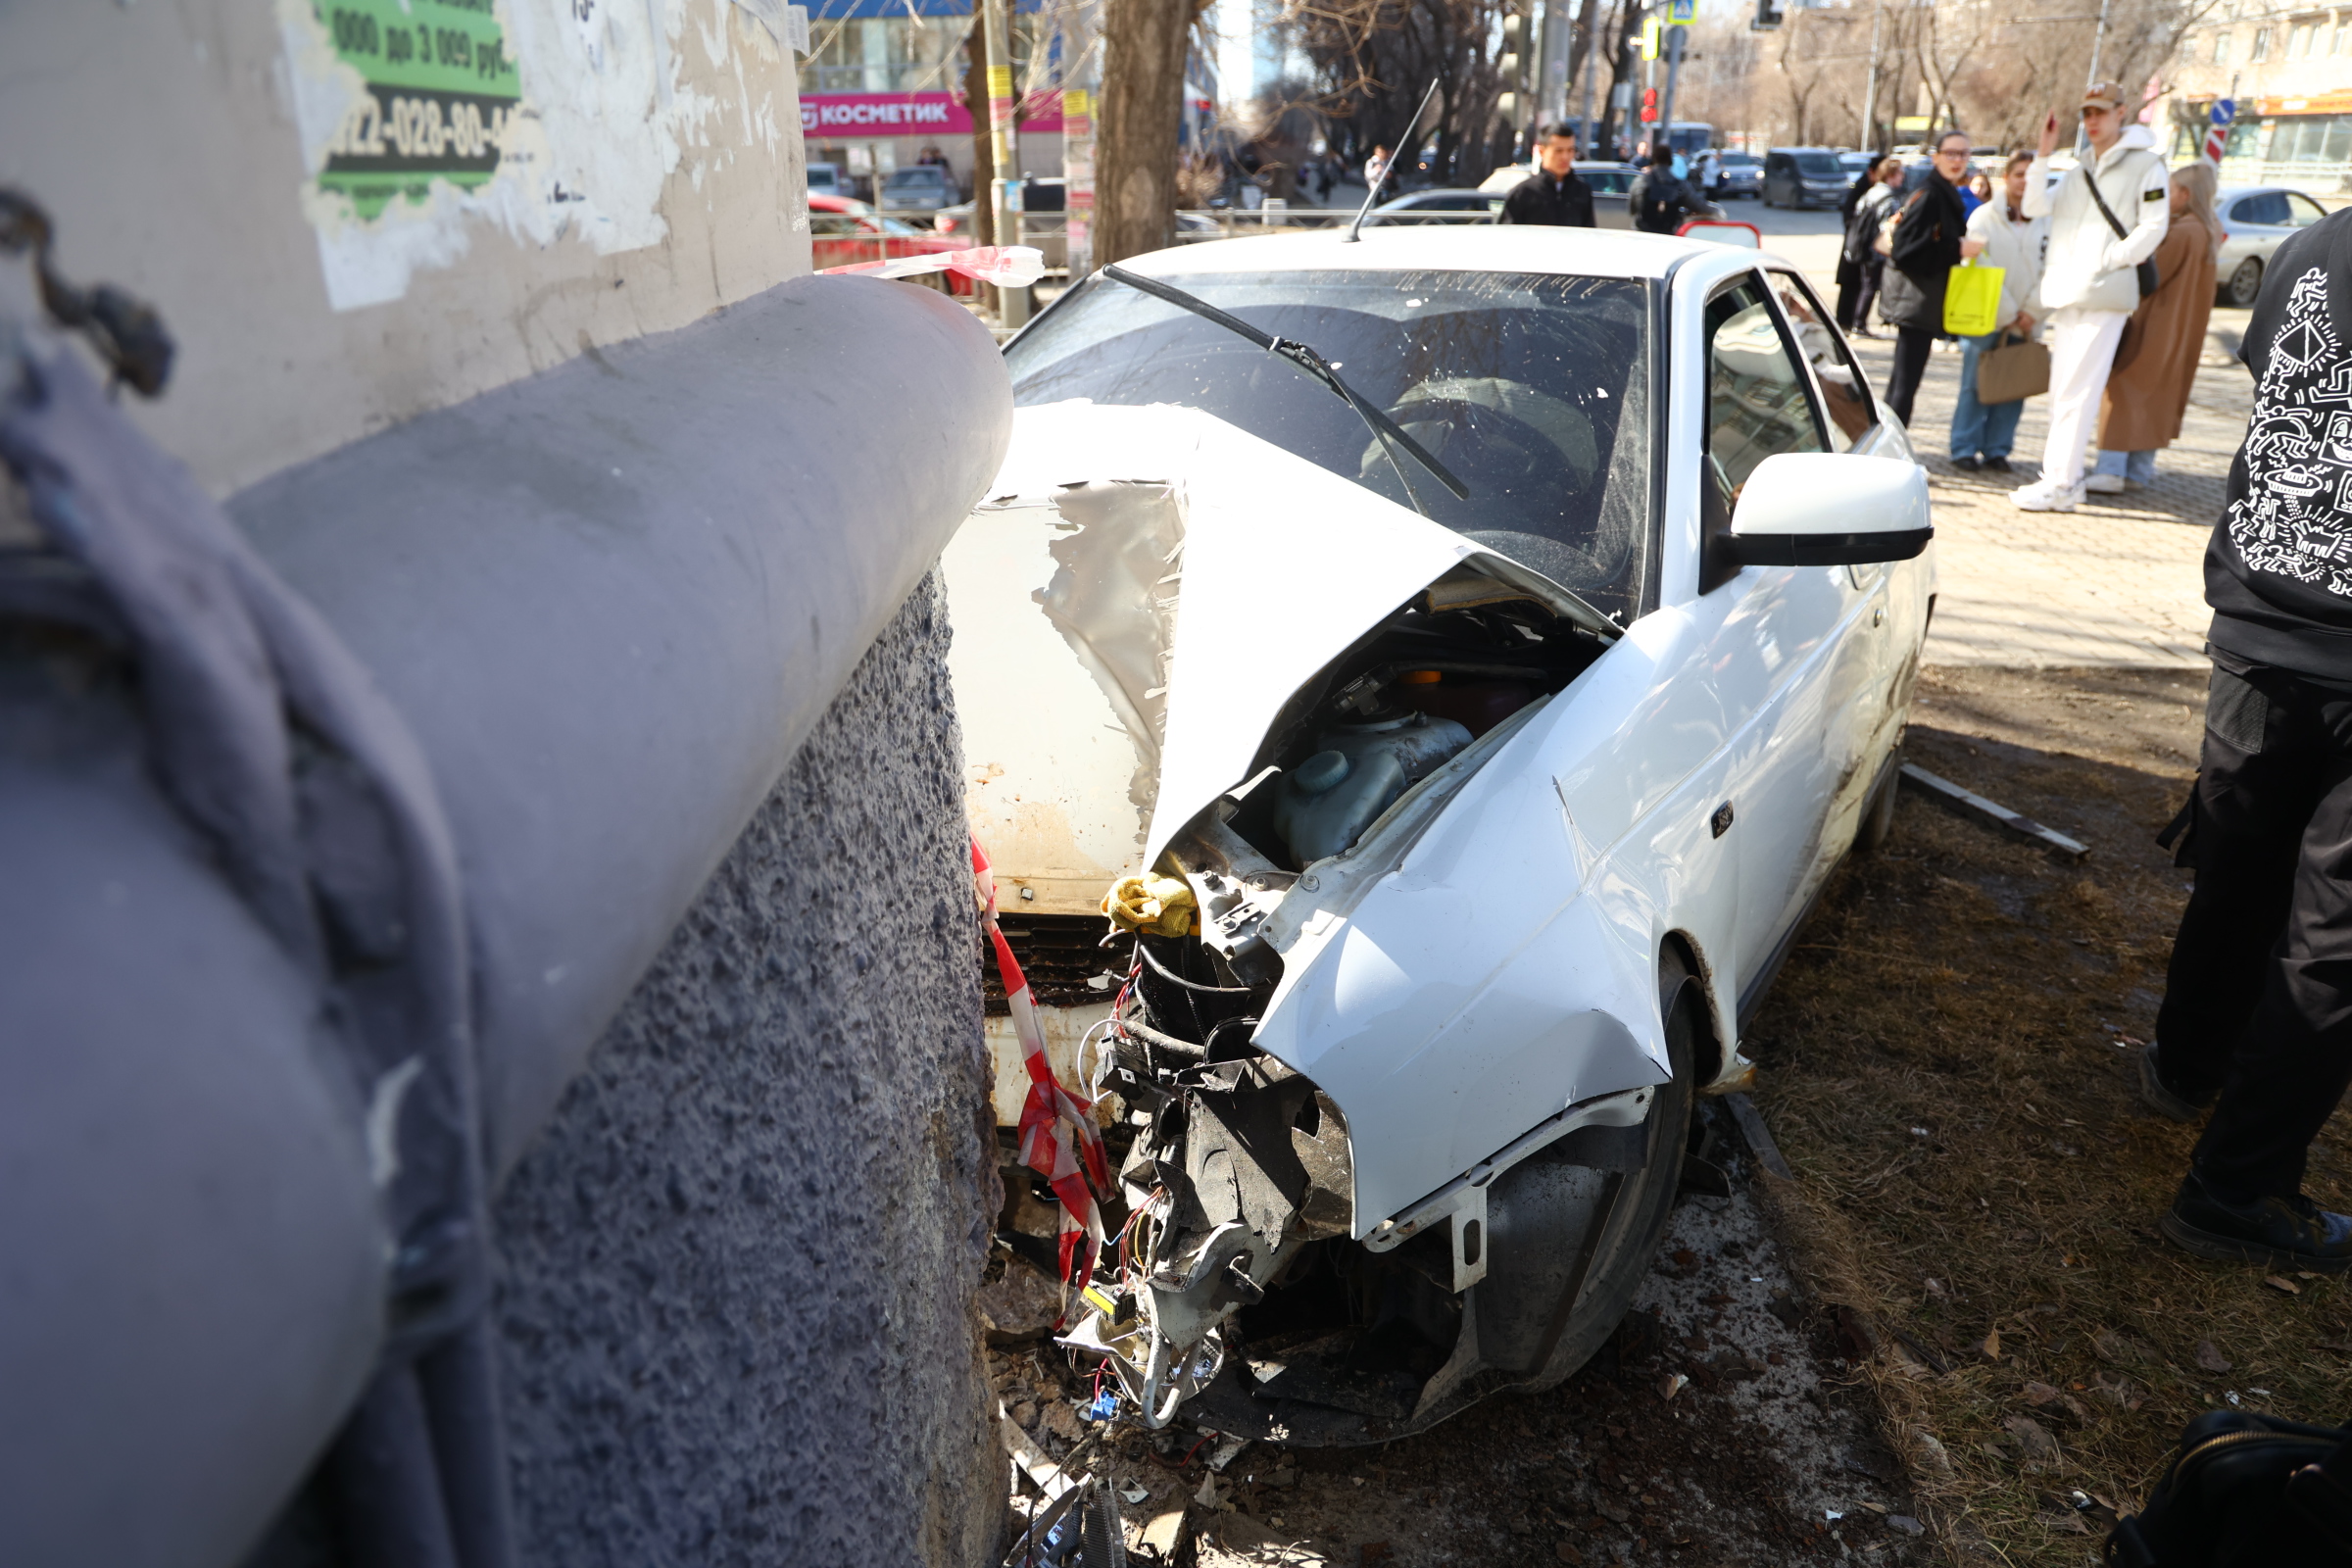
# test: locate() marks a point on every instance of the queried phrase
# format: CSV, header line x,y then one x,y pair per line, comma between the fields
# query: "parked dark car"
x,y
1804,176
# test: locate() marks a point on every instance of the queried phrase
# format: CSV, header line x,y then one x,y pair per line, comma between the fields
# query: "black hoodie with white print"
x,y
2278,570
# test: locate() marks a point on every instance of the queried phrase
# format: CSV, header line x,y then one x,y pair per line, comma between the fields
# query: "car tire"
x,y
2243,283
1877,817
1635,1222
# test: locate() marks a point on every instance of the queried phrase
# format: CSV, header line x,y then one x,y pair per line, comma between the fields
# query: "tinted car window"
x,y
2302,211
2268,207
1820,166
1534,389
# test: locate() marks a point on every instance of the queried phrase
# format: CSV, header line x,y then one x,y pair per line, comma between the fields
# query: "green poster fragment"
x,y
441,94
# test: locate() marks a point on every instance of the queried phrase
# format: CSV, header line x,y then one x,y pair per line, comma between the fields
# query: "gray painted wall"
x,y
740,1263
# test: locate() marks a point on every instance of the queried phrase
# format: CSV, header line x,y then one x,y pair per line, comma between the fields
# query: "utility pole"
x,y
1004,191
1591,140
2098,41
1675,34
1870,93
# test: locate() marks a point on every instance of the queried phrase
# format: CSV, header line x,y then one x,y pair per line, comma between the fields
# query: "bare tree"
x,y
1144,47
1373,59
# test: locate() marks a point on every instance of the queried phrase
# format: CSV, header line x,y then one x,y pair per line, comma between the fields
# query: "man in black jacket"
x,y
2256,1015
1658,201
1556,194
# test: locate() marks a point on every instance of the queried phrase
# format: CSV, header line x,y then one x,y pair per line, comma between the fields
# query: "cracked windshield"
x,y
1533,389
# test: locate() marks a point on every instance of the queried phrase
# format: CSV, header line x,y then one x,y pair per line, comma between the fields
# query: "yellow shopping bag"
x,y
1971,299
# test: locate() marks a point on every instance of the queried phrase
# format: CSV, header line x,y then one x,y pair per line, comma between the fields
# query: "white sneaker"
x,y
2105,484
2043,496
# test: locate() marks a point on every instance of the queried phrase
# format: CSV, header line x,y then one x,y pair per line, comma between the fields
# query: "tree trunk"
x,y
1143,45
984,155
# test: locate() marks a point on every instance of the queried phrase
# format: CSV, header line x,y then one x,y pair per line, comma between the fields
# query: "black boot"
x,y
2274,1233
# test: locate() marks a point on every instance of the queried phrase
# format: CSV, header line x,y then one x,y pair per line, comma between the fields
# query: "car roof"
x,y
1831,151
1443,248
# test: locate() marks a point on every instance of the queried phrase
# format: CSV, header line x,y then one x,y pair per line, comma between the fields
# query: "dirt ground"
x,y
1955,1318
1948,1066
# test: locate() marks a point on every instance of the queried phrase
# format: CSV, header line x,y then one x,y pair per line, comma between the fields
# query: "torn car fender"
x,y
1468,993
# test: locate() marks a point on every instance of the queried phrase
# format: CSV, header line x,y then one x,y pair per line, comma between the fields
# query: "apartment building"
x,y
2290,70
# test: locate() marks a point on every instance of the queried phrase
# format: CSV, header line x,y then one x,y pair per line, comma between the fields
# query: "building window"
x,y
2221,48
2262,45
2344,38
2298,42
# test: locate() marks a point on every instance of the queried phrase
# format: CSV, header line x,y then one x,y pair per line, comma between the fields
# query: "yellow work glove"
x,y
1160,905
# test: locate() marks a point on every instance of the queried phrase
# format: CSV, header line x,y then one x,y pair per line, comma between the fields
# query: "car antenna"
x,y
1402,142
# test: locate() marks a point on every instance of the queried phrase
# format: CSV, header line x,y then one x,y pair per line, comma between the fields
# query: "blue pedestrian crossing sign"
x,y
1681,13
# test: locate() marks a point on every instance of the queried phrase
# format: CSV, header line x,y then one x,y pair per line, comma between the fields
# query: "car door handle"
x,y
1878,616
1721,821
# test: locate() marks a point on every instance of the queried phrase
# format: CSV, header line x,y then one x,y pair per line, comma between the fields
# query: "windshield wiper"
x,y
1385,429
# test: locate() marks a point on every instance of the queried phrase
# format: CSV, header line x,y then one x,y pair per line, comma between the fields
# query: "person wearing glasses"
x,y
2100,234
1930,238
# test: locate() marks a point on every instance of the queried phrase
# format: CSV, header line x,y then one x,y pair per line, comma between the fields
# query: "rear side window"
x,y
1844,391
2268,207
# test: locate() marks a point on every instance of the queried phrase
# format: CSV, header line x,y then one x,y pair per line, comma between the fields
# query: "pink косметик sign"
x,y
910,114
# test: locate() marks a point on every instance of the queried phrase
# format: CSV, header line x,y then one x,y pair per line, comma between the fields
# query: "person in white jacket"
x,y
1984,433
2089,284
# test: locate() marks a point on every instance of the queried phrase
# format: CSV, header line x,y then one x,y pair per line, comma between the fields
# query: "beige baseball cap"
x,y
2103,95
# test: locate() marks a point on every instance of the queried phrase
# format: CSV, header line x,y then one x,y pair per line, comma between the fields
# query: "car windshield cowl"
x,y
1534,389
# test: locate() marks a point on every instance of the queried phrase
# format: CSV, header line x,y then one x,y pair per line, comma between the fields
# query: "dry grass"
x,y
1944,1068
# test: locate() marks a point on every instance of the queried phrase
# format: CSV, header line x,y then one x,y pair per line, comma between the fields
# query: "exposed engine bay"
x,y
1235,1277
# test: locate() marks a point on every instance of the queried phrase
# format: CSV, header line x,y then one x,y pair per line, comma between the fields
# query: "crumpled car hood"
x,y
1199,575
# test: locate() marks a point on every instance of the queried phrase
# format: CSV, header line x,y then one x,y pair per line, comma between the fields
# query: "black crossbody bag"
x,y
2146,270
2245,1490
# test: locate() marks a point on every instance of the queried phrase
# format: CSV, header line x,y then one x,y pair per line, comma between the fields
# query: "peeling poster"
x,y
441,96
426,123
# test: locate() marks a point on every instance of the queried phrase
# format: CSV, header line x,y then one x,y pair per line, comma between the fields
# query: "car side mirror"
x,y
1829,509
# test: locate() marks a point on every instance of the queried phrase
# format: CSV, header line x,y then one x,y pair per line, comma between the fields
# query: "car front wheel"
x,y
2244,282
1570,1243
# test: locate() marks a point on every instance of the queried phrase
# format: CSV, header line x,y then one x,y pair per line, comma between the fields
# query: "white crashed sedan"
x,y
1499,634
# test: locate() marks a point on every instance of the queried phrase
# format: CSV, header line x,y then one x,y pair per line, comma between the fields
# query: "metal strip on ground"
x,y
1970,803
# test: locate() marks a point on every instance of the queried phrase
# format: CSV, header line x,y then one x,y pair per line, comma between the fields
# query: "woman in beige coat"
x,y
2157,359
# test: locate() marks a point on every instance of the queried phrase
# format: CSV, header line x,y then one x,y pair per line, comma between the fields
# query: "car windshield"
x,y
913,177
1534,389
1820,165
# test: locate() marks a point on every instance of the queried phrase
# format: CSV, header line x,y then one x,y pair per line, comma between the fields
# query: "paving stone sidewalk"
x,y
2119,581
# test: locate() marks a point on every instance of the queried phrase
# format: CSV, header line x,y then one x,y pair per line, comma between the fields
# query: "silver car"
x,y
2256,219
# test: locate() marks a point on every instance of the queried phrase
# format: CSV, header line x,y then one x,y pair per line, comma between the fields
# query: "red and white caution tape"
x,y
1058,1138
1005,265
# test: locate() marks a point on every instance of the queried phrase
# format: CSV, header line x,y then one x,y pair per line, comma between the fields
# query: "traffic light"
x,y
1515,44
1649,106
1768,16
1652,28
